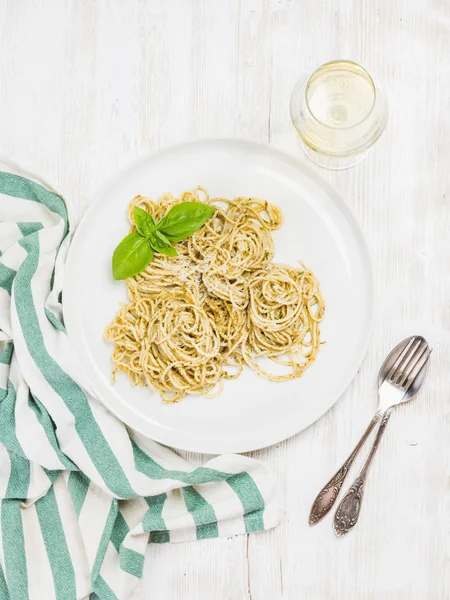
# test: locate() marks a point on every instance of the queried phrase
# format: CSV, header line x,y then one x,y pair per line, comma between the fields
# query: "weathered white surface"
x,y
87,86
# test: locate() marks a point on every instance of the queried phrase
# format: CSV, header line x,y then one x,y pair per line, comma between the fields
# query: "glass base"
x,y
334,163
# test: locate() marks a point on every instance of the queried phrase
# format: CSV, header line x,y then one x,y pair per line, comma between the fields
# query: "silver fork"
x,y
327,496
402,383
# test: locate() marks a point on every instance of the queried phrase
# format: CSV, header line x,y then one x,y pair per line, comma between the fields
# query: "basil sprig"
x,y
135,252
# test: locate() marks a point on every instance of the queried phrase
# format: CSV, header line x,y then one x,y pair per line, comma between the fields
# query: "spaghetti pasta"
x,y
197,319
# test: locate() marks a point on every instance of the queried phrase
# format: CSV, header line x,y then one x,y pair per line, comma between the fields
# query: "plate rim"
x,y
286,432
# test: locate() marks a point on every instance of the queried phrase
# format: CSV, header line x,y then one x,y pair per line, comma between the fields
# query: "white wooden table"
x,y
86,86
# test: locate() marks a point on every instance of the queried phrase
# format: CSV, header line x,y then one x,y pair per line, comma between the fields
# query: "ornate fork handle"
x,y
328,494
347,513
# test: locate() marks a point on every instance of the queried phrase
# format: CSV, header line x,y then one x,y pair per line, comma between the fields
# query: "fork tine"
x,y
401,367
400,359
419,366
409,366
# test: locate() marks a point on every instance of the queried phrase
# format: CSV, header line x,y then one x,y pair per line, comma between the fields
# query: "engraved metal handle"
x,y
347,513
328,494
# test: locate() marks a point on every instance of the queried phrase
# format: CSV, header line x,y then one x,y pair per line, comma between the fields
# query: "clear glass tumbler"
x,y
339,112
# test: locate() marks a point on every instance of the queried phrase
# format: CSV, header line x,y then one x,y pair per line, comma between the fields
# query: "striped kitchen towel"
x,y
82,496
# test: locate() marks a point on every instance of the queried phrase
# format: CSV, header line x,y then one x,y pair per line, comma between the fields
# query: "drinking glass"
x,y
339,112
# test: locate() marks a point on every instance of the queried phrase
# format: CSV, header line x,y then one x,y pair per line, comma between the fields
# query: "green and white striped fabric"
x,y
81,496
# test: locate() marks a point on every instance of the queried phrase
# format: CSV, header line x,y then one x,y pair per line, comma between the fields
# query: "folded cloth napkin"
x,y
81,495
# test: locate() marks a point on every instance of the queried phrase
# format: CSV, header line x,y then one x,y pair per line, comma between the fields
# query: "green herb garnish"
x,y
135,252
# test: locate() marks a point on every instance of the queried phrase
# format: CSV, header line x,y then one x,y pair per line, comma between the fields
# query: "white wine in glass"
x,y
338,112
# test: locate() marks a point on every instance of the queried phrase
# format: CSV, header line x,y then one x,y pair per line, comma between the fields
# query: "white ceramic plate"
x,y
319,230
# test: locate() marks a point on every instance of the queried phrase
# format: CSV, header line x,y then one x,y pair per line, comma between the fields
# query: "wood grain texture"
x,y
87,86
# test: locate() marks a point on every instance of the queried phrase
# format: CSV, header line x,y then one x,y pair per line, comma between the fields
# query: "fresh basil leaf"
x,y
144,221
131,256
168,251
184,219
161,244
